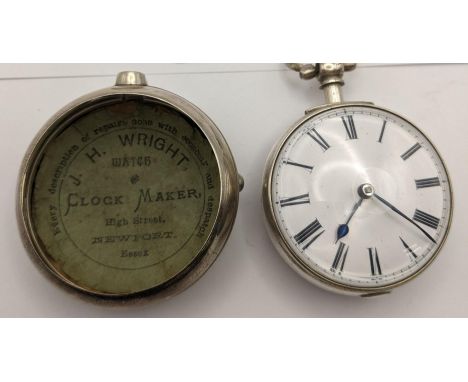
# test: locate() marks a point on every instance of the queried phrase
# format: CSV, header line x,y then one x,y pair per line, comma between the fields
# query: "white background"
x,y
252,104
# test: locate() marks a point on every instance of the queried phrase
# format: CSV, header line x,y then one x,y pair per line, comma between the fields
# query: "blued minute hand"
x,y
393,208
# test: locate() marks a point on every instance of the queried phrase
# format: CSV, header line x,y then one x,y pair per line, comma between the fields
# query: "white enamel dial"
x,y
361,197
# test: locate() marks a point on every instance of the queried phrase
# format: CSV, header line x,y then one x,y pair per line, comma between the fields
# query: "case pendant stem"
x,y
330,77
332,93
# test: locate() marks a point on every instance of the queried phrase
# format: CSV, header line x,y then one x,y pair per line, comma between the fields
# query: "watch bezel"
x,y
282,245
229,187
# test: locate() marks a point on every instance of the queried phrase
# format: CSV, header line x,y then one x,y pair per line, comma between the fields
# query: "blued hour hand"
x,y
393,208
343,229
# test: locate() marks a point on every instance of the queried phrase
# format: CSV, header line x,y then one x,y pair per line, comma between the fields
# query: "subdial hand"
x,y
393,208
343,229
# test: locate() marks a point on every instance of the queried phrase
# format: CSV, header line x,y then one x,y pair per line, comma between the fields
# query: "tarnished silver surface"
x,y
134,83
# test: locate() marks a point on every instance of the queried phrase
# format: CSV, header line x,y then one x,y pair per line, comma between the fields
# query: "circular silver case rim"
x,y
282,245
229,188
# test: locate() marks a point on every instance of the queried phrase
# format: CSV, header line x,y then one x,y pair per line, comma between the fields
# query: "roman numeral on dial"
x,y
319,139
293,200
428,182
292,163
410,151
349,126
307,232
408,248
426,219
340,257
382,131
374,262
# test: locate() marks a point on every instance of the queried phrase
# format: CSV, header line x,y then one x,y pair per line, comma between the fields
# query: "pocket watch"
x,y
357,199
128,191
